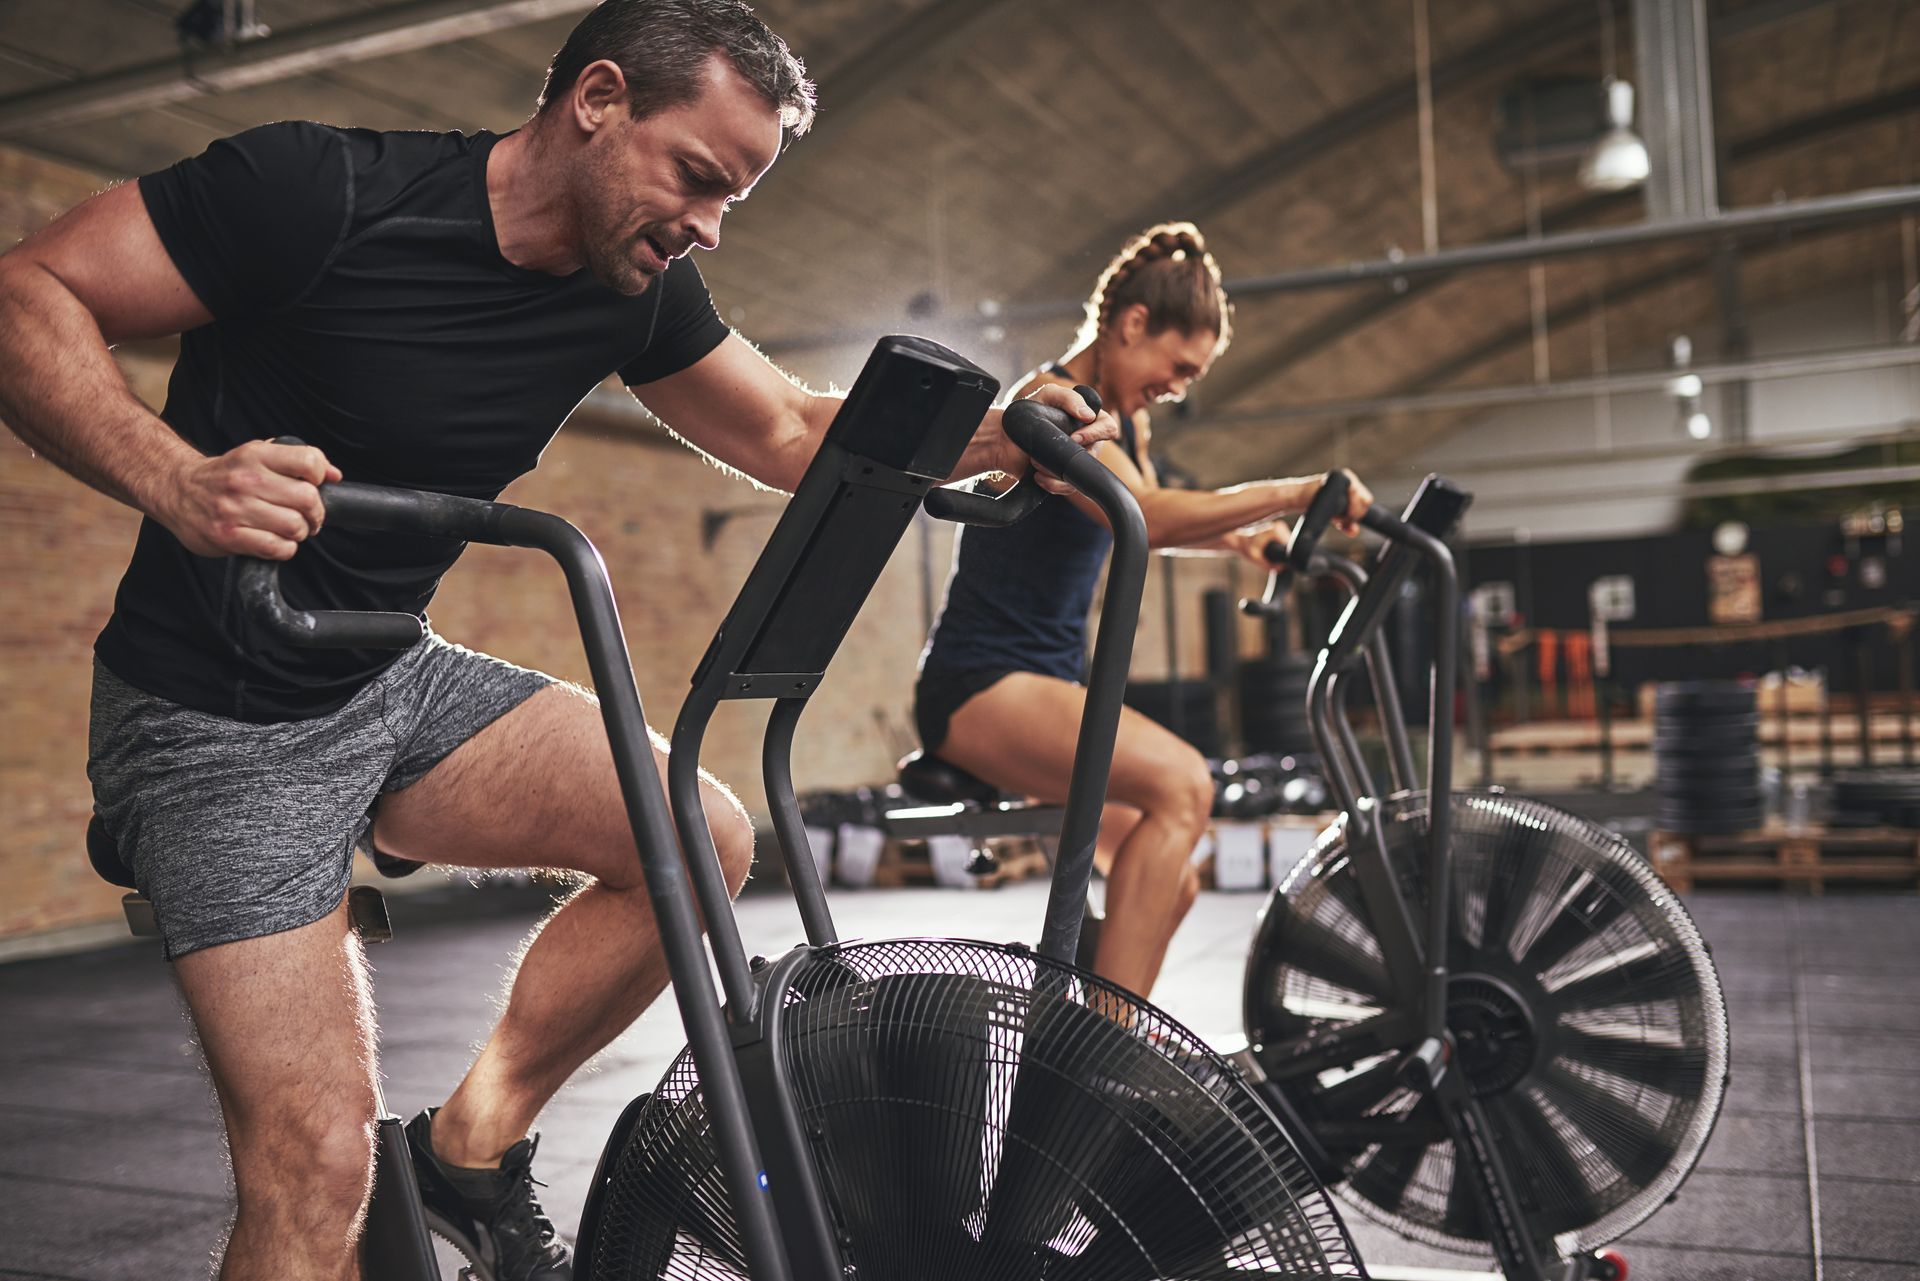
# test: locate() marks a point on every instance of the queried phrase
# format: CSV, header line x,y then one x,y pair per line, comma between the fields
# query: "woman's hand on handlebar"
x,y
257,499
1359,499
1252,542
1098,427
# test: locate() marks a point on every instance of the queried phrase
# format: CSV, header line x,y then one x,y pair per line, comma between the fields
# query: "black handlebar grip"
x,y
258,584
970,507
1274,552
1328,503
1042,432
1384,523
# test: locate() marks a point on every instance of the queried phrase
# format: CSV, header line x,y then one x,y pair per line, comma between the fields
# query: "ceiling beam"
x,y
1243,373
1264,364
1814,211
870,77
1758,369
1439,375
1728,22
1565,25
896,61
166,81
1198,201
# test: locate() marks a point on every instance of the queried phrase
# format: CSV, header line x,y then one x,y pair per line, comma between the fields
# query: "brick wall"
x,y
643,506
62,548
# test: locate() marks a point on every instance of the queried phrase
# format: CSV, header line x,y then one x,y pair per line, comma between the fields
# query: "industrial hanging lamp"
x,y
1618,159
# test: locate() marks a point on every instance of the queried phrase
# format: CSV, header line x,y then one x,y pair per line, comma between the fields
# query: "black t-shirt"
x,y
361,303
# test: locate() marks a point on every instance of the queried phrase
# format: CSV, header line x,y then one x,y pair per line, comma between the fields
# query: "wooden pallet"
x,y
1634,736
1806,857
904,863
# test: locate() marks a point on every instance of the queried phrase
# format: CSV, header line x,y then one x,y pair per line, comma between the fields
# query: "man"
x,y
422,310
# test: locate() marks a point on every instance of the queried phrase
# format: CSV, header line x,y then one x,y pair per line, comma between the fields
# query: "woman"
x,y
1000,691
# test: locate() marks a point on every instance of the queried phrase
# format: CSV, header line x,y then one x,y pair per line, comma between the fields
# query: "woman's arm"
x,y
1197,518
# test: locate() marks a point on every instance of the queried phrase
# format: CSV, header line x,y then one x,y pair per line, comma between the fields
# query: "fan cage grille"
x,y
980,1112
1625,1090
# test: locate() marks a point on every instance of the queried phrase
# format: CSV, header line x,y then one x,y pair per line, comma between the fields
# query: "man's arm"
x,y
96,276
739,408
736,406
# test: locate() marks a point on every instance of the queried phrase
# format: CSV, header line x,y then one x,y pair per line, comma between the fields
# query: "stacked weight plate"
x,y
1707,757
1876,798
1273,704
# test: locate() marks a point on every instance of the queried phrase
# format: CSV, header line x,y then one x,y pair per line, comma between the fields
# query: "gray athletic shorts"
x,y
235,829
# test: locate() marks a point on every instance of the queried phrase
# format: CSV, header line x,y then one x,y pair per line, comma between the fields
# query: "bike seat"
x,y
931,779
104,854
391,866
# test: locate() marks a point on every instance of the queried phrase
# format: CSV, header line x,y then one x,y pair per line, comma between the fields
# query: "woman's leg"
x,y
1117,821
1020,733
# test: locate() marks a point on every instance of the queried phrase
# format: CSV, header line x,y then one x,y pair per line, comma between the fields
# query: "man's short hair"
x,y
663,46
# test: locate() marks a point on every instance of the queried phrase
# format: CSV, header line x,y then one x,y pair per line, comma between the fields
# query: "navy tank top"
x,y
1018,598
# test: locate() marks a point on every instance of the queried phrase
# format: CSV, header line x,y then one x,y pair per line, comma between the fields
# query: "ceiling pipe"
x,y
1741,487
183,78
1783,216
1786,215
1765,368
1471,471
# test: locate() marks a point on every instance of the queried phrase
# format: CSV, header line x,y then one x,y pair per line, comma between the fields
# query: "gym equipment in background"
x,y
1707,756
1487,1021
1875,798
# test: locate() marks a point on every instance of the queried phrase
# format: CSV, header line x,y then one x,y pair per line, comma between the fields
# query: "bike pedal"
x,y
1425,1064
981,862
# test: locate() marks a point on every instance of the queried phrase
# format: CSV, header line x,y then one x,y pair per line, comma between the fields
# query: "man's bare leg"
x,y
537,788
286,1022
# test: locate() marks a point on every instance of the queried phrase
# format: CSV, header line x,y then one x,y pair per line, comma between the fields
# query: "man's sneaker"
x,y
491,1216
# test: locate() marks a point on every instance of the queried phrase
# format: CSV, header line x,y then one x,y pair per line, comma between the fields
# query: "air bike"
x,y
902,1110
1487,1021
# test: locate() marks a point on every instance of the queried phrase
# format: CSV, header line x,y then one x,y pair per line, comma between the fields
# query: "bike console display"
x,y
1435,510
902,431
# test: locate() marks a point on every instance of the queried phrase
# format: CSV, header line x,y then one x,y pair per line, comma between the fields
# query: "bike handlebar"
x,y
969,507
1329,502
258,582
1385,523
1042,432
1269,605
352,506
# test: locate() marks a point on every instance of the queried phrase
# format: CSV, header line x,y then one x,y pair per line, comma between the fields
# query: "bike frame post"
x,y
1439,767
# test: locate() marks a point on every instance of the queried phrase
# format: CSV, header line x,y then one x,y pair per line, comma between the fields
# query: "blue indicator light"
x,y
763,1180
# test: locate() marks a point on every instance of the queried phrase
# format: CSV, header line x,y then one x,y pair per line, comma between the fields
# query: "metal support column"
x,y
1676,98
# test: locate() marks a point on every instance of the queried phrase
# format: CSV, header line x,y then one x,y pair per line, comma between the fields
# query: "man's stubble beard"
x,y
612,266
602,246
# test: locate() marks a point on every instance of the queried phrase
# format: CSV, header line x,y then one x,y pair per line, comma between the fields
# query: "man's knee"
x,y
732,837
313,1163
